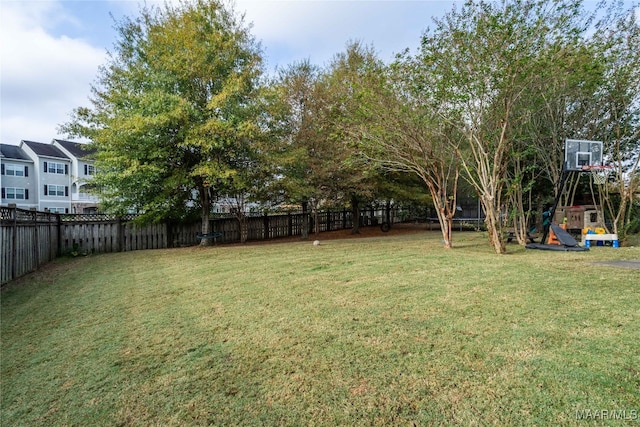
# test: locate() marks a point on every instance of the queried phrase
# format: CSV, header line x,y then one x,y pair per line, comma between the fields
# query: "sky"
x,y
50,50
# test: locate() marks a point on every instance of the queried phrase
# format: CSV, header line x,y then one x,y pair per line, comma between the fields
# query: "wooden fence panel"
x,y
25,243
229,227
297,224
28,239
47,242
6,249
183,234
255,227
279,226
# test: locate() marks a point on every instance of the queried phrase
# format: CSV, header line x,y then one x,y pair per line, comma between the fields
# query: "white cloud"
x,y
43,77
317,30
51,50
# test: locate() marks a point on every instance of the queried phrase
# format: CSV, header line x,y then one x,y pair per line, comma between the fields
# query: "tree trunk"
x,y
494,225
244,230
316,221
445,206
387,213
355,211
305,221
206,210
445,219
519,215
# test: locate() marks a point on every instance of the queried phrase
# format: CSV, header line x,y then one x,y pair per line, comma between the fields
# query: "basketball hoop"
x,y
599,173
579,153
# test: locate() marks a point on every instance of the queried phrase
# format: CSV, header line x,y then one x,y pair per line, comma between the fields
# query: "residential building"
x,y
82,170
17,178
53,177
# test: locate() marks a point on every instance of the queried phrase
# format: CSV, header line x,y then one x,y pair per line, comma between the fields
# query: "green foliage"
x,y
347,80
301,150
173,116
316,159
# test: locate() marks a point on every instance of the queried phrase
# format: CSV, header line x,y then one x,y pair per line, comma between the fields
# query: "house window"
x,y
11,193
89,170
56,190
15,170
57,168
58,210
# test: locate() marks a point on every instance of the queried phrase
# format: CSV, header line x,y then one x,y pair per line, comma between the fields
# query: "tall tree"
x,y
357,179
400,128
302,157
555,107
317,162
485,58
172,115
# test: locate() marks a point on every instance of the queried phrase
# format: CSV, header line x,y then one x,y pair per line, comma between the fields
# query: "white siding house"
x,y
82,170
53,177
17,178
52,174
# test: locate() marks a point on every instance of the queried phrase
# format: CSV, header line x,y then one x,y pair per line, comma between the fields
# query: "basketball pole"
x,y
561,185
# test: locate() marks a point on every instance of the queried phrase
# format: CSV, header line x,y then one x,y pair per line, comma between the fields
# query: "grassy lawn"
x,y
380,331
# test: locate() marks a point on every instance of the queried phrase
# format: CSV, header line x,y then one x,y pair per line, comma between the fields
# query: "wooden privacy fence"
x,y
105,233
29,238
265,227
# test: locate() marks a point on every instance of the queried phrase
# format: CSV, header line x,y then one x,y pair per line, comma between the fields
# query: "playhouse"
x,y
578,218
585,221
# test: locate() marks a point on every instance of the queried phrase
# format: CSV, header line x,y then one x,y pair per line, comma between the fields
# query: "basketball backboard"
x,y
579,153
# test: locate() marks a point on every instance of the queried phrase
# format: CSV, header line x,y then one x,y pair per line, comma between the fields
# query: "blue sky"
x,y
50,50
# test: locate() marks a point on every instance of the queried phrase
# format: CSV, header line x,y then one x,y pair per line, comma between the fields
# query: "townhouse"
x,y
52,177
16,178
82,170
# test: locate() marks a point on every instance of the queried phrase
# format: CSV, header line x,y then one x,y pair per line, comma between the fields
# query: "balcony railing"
x,y
84,197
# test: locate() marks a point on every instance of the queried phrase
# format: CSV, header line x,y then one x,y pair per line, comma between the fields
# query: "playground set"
x,y
580,156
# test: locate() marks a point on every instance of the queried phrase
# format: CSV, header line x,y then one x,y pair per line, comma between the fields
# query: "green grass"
x,y
378,331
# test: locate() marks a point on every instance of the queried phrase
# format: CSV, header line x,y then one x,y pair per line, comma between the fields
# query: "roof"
x,y
77,149
48,150
12,152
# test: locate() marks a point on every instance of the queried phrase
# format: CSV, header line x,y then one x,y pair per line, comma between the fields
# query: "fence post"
x,y
59,233
36,246
53,246
266,226
119,234
14,242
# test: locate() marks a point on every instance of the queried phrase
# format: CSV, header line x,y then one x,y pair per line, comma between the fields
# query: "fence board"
x,y
26,239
